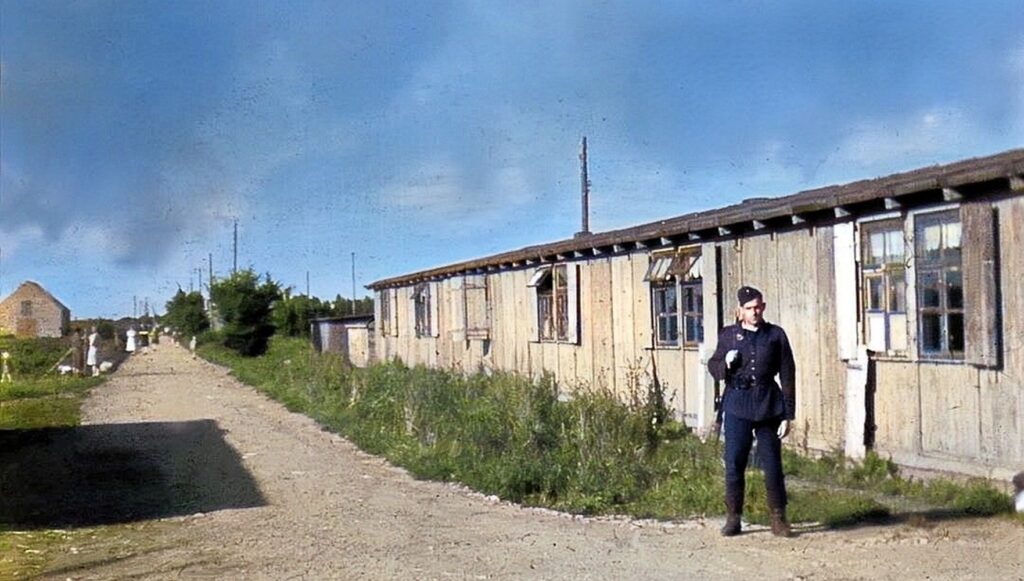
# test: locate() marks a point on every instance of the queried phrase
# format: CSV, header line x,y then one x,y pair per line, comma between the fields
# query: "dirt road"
x,y
230,485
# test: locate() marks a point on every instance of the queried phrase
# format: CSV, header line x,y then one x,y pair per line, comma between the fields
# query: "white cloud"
x,y
922,135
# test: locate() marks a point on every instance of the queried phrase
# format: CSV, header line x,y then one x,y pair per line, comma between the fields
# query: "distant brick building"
x,y
31,311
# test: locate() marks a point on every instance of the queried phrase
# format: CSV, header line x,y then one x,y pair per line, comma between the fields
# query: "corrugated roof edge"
x,y
756,211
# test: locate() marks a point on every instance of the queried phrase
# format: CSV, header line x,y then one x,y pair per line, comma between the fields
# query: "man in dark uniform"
x,y
749,356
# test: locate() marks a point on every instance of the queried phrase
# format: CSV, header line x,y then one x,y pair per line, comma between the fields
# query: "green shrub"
x,y
244,303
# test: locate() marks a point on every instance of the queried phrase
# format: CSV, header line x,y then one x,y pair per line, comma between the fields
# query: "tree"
x,y
245,305
186,314
292,314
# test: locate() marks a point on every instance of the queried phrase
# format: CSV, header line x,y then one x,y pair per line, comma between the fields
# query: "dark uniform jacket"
x,y
751,390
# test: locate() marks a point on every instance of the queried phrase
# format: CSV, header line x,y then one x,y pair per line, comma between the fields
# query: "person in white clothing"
x,y
192,346
93,356
129,345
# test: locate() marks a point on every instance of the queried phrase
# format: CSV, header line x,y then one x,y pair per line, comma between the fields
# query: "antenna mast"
x,y
584,190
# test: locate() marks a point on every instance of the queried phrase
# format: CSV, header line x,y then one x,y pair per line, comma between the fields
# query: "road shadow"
x,y
117,473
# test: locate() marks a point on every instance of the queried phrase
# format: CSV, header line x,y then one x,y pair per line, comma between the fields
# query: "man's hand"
x,y
783,429
732,358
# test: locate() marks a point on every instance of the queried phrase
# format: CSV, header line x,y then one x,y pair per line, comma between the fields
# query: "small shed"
x,y
351,336
31,311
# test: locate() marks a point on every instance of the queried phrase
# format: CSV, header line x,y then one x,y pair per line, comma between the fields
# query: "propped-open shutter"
x,y
573,290
435,310
844,248
980,275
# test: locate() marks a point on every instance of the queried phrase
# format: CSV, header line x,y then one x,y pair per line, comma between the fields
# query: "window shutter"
x,y
844,253
980,272
393,305
377,307
532,329
434,290
573,291
478,320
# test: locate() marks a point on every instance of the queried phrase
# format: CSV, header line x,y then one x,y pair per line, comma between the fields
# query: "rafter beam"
x,y
666,241
892,204
758,225
618,248
640,245
951,195
841,212
724,231
692,236
797,219
596,251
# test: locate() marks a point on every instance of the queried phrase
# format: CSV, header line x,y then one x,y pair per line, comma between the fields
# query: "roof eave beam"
x,y
951,195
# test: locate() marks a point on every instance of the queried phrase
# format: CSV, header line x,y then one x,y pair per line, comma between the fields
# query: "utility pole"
x,y
234,265
353,283
135,306
199,271
210,261
307,283
584,189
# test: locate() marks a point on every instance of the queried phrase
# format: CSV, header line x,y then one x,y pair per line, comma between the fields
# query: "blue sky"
x,y
415,134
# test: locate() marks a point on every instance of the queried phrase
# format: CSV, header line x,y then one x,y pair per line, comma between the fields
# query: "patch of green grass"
x,y
595,454
43,402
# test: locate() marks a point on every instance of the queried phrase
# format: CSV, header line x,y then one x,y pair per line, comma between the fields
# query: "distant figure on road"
x,y
92,358
192,346
5,372
129,345
77,352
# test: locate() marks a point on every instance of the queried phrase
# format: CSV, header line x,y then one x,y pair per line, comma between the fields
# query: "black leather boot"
x,y
780,526
732,524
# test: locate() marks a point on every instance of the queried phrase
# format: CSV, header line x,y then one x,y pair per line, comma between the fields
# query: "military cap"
x,y
747,294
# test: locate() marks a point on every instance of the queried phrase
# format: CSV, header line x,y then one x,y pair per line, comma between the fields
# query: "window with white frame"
x,y
884,286
940,285
556,303
677,295
422,309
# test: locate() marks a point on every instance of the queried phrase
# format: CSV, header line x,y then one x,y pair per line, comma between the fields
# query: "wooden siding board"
x,y
1011,263
643,354
624,340
897,412
950,411
831,366
601,336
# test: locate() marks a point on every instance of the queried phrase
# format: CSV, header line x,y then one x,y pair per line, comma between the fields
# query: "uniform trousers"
x,y
739,437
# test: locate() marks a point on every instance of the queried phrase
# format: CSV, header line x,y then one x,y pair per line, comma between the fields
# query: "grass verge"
x,y
505,435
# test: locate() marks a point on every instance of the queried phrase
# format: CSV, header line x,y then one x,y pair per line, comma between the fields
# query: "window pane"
x,y
931,242
545,324
559,276
894,247
897,291
876,248
929,289
562,313
668,330
875,296
931,332
954,289
955,323
694,329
